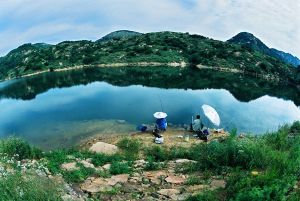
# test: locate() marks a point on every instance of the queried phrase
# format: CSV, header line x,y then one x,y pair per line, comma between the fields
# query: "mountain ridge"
x,y
249,40
133,47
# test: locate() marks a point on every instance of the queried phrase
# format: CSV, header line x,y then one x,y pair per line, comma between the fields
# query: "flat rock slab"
x,y
155,174
105,148
175,179
169,192
69,166
121,178
96,186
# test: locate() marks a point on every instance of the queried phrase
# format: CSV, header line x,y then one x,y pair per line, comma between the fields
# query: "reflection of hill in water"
x,y
243,88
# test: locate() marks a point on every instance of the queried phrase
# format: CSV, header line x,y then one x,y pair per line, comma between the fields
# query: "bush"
x,y
19,148
157,153
102,159
151,165
204,196
55,159
120,168
80,175
130,147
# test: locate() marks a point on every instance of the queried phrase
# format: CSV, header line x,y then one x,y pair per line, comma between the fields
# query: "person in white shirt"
x,y
197,124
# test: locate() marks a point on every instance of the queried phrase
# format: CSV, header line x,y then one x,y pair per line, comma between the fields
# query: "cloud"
x,y
274,22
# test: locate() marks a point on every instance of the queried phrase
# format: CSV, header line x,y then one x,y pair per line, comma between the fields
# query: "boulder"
x,y
105,148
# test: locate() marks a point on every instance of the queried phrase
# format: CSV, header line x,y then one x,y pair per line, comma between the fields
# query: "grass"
x,y
275,156
19,148
30,188
121,168
130,147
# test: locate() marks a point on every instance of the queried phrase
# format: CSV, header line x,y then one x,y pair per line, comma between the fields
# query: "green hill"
x,y
160,47
250,41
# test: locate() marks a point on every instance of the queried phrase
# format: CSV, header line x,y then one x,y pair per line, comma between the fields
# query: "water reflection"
x,y
63,116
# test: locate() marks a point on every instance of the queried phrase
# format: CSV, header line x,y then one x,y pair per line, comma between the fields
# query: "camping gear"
x,y
186,137
211,114
160,115
159,140
141,128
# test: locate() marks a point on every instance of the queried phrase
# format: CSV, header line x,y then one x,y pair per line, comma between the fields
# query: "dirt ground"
x,y
172,137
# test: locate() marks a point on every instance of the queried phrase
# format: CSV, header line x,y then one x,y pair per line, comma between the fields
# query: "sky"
x,y
275,22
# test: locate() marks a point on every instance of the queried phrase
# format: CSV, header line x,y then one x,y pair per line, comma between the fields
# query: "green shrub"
x,y
193,180
120,168
19,148
18,188
130,147
55,159
204,196
157,153
102,159
77,176
151,165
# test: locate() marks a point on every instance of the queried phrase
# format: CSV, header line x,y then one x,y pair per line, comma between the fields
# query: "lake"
x,y
62,116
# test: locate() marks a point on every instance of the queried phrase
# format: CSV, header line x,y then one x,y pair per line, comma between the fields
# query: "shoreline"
x,y
182,64
139,64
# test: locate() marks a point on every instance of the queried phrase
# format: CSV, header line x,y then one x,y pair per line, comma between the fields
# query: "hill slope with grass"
x,y
250,41
161,48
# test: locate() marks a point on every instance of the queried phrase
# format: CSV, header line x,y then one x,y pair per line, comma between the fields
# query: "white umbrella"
x,y
160,115
211,114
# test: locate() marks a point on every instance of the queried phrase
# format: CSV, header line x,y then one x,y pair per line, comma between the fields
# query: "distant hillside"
x,y
119,35
249,40
286,57
161,47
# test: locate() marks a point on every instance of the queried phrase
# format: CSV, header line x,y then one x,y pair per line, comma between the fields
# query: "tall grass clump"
x,y
130,147
16,187
19,148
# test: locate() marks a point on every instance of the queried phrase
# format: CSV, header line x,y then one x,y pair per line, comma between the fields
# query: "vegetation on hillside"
x,y
254,168
163,47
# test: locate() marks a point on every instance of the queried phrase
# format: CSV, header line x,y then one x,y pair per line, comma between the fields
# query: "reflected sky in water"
x,y
136,104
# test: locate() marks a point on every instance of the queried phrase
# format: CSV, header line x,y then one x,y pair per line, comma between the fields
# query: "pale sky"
x,y
275,22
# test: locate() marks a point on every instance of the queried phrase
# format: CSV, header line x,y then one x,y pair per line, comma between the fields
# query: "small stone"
x,y
106,166
87,164
185,161
69,166
155,181
174,179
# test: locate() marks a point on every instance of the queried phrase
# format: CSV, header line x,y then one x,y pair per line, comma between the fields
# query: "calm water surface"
x,y
62,116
